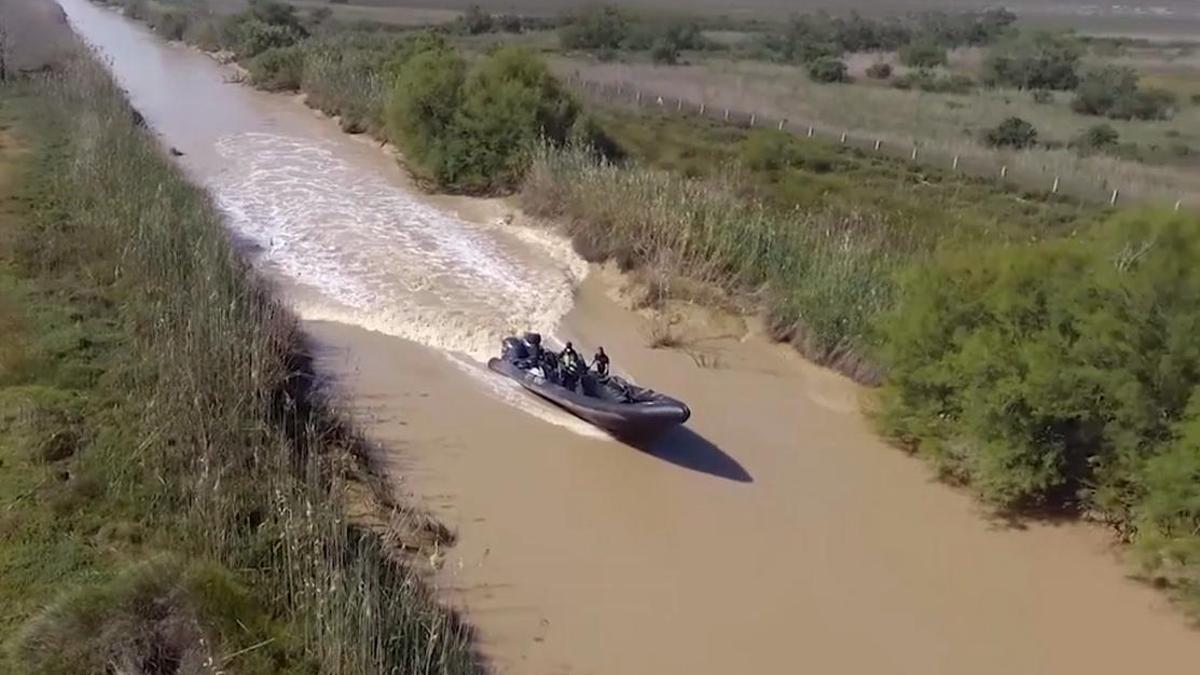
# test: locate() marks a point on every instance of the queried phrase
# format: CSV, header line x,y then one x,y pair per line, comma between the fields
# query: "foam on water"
x,y
380,259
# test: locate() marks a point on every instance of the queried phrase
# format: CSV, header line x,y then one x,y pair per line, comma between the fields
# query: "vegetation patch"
x,y
173,489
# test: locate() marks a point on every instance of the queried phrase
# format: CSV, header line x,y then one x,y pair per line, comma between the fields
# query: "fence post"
x,y
727,114
955,167
914,153
701,109
1178,205
1004,171
679,104
1054,189
810,131
1116,193
753,117
877,144
843,138
637,98
781,123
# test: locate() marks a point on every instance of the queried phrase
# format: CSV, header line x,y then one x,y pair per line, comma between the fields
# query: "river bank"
x,y
776,534
177,495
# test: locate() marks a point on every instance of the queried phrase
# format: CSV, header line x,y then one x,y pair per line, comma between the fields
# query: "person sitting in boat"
x,y
569,366
600,363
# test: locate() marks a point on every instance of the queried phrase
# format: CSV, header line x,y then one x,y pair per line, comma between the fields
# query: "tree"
x,y
595,28
1097,137
879,71
425,99
1037,61
923,53
828,69
664,52
1013,132
475,21
1113,91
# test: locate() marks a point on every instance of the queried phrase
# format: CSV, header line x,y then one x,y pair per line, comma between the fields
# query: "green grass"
x,y
171,491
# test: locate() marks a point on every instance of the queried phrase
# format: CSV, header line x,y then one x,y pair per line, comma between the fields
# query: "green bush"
x,y
169,23
1113,91
769,150
425,98
251,37
879,71
596,27
664,52
1096,138
923,53
828,69
1013,132
1037,61
475,21
474,131
1052,373
278,69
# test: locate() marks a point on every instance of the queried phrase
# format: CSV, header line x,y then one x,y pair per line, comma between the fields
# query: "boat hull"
x,y
641,420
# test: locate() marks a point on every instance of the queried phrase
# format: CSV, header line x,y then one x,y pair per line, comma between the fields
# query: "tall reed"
x,y
822,275
245,461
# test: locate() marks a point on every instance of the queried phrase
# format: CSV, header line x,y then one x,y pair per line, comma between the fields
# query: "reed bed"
x,y
232,458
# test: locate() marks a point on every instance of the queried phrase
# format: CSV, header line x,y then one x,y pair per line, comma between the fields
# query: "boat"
x,y
623,409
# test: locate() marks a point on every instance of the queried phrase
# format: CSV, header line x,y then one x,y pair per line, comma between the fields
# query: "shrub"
x,y
1013,132
828,69
1196,99
475,21
168,23
510,23
924,53
1043,96
1037,61
424,101
1112,91
252,37
1097,137
879,71
1051,373
278,69
473,131
595,28
664,52
768,150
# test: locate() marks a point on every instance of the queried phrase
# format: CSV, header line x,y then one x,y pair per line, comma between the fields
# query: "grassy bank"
x,y
175,495
812,233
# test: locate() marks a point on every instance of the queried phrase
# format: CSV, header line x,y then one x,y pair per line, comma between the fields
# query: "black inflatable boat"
x,y
611,403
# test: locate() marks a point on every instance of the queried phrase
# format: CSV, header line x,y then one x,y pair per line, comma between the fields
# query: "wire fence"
x,y
1011,176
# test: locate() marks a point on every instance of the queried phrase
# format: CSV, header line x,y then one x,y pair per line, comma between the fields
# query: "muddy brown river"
x,y
776,534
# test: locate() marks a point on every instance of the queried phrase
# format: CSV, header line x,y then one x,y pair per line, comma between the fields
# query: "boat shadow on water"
x,y
687,449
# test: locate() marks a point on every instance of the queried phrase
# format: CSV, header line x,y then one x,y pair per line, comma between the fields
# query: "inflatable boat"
x,y
622,409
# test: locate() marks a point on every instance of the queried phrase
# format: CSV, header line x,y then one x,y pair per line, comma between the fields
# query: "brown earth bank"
x,y
775,533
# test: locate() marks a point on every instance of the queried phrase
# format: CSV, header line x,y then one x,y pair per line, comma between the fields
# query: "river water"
x,y
776,534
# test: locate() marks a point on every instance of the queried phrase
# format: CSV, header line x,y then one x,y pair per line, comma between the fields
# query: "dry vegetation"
x,y
941,125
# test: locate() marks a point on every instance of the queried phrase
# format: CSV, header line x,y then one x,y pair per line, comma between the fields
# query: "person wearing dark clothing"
x,y
600,363
569,370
